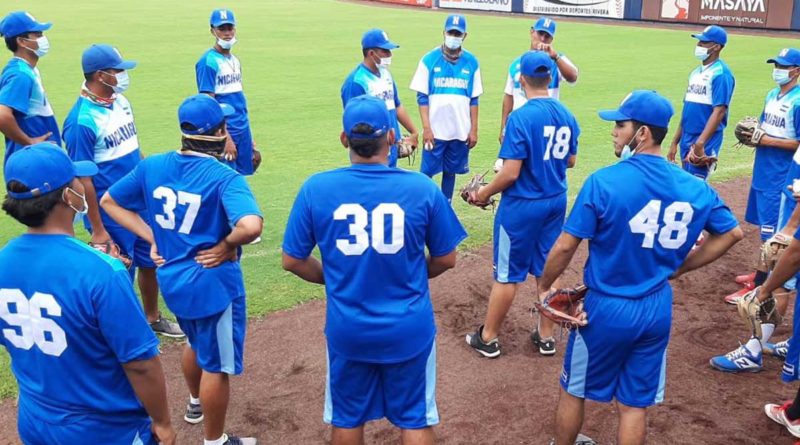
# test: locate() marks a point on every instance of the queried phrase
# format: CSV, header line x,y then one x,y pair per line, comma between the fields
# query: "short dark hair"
x,y
659,133
365,147
31,212
88,76
11,42
208,147
537,82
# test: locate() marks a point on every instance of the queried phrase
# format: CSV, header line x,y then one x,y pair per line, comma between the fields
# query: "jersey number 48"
x,y
672,228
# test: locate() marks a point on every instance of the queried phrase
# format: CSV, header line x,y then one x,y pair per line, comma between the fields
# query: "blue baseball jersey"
x,y
642,215
222,76
709,86
543,134
372,224
363,81
69,319
21,90
193,201
514,87
451,88
780,119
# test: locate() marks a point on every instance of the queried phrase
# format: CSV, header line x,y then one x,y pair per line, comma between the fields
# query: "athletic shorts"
x,y
763,210
712,148
393,156
243,140
405,393
524,232
622,353
787,206
791,367
450,157
218,340
33,430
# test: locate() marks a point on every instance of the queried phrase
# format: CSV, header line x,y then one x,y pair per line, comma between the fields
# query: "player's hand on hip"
x,y
673,151
164,434
230,153
472,139
427,139
216,255
41,138
154,255
100,236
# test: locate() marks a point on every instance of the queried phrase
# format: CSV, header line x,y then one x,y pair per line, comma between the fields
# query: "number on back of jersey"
x,y
671,229
361,240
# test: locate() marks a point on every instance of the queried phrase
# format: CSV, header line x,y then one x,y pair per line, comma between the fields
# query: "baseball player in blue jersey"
x,y
203,212
642,216
26,116
541,143
84,376
100,129
372,224
372,77
705,105
219,74
448,84
777,139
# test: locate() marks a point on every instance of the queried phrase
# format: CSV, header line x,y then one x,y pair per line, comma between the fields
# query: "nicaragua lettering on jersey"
x,y
780,119
451,88
709,86
514,88
222,76
363,81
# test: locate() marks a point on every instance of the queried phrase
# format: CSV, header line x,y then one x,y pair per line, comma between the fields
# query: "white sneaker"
x,y
255,241
778,414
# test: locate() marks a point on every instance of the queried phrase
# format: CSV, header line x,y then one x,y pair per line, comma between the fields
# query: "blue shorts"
x,y
622,352
243,140
763,210
393,156
405,392
524,232
218,340
785,210
712,148
450,157
33,430
791,367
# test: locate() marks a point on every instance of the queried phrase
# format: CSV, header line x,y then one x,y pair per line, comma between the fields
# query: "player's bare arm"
x,y
147,379
785,269
572,161
557,261
438,265
508,105
472,139
99,234
244,232
408,124
309,268
783,144
502,180
568,71
10,128
127,218
673,147
712,248
698,148
427,133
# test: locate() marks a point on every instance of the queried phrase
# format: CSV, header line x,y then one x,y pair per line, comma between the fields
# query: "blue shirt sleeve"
x,y
351,89
128,191
515,145
16,92
396,96
238,200
576,133
445,231
473,102
422,99
115,301
796,117
583,218
206,76
721,219
299,239
722,86
80,143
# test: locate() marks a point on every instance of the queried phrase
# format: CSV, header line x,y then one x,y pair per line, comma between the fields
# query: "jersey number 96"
x,y
28,325
361,239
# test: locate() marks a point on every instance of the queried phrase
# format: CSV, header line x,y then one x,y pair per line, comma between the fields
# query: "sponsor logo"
x,y
486,5
734,5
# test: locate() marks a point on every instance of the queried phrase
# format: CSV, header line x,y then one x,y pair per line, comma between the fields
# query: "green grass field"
x,y
295,56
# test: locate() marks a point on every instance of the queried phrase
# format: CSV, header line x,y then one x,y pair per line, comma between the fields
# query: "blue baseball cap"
x,y
369,110
787,57
203,112
377,38
102,57
536,64
221,17
43,168
545,24
714,34
456,22
647,107
21,22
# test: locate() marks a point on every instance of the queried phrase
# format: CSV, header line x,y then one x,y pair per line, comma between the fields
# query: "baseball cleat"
x,y
580,440
738,360
167,328
194,414
736,296
746,278
233,440
778,414
489,349
777,349
547,346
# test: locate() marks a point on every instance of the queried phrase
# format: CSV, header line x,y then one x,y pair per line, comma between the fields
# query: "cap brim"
x,y
125,65
612,115
223,22
455,28
782,61
227,110
701,37
39,27
543,29
389,46
85,168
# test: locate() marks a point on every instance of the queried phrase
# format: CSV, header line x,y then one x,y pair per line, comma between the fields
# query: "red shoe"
x,y
746,278
736,296
778,414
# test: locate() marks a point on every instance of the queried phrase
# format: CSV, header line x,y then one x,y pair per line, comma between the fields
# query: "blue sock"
x,y
448,185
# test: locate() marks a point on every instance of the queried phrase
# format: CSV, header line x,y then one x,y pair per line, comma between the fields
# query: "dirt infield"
x,y
509,400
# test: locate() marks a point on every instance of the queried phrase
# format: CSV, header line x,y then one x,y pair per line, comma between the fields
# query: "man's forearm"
x,y
557,260
473,117
713,247
147,379
11,130
98,228
247,229
309,269
567,70
508,106
678,133
794,221
713,123
425,117
127,218
405,121
787,266
779,143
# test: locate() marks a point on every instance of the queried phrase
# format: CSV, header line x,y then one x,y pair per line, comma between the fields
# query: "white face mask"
x,y
385,62
453,42
627,151
85,208
226,44
123,82
700,53
781,76
44,46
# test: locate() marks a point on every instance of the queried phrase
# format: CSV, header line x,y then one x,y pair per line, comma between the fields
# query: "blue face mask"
x,y
627,151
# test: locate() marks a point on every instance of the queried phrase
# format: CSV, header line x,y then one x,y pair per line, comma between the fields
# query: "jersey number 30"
x,y
28,319
672,234
170,201
358,228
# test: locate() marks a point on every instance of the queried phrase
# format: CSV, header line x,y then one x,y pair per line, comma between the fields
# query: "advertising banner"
x,y
774,14
614,9
483,5
420,3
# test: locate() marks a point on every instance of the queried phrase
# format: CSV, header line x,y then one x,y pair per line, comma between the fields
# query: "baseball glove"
x,y
755,312
469,192
405,148
701,161
748,132
564,306
111,249
771,251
